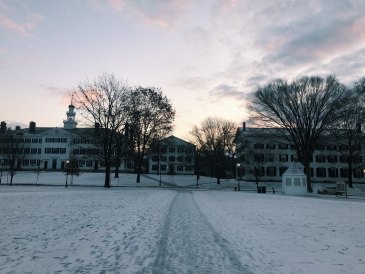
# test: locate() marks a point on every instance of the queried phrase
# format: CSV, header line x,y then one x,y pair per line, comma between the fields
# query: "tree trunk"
x,y
116,174
349,174
107,176
11,178
308,174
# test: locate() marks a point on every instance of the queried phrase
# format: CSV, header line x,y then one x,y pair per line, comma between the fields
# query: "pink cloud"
x,y
8,23
63,93
3,50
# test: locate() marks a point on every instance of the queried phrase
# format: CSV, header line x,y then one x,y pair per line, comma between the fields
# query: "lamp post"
x,y
239,176
67,162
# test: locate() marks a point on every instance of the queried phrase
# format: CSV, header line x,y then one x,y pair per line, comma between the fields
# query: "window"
x,y
282,170
320,158
154,167
180,149
171,149
188,159
27,150
304,182
40,141
179,168
271,171
321,172
331,147
259,157
180,159
288,181
344,147
283,146
358,173
295,158
171,158
188,168
343,172
319,147
332,172
34,140
343,159
32,162
271,158
89,163
82,151
38,162
154,158
258,146
49,140
28,140
163,149
81,163
357,159
47,150
76,151
55,151
26,162
64,140
163,167
39,151
283,158
332,159
270,146
296,181
163,158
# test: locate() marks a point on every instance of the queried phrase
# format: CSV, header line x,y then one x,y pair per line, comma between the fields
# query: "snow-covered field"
x,y
147,229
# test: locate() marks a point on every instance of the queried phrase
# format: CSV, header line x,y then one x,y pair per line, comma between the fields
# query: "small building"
x,y
294,181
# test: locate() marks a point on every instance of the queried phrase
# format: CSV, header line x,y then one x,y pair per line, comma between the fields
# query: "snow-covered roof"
x,y
294,169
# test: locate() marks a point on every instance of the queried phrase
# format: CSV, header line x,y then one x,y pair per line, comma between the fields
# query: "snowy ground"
x,y
147,229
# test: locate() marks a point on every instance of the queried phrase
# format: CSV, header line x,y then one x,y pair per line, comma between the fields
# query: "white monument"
x,y
294,181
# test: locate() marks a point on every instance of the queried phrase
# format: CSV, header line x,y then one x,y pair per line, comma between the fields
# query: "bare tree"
x,y
299,112
348,133
102,102
14,149
150,114
215,139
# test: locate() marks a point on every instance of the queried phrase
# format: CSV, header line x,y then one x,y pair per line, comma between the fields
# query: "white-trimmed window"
x,y
288,181
296,181
154,167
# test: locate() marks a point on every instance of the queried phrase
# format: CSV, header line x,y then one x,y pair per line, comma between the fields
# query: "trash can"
x,y
263,189
259,189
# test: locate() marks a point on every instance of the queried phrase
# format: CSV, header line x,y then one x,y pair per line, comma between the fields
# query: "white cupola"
x,y
70,122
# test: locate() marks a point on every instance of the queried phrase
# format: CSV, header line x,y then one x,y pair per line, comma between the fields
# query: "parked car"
x,y
328,190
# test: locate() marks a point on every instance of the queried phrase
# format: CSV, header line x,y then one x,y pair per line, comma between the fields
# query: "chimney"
x,y
32,127
244,126
17,128
3,127
358,127
97,129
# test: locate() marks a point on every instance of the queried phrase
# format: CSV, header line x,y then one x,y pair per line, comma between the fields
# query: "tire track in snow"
x,y
189,243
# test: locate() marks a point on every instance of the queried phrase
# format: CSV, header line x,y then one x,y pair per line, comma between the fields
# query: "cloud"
x,y
2,50
63,93
224,91
20,28
160,13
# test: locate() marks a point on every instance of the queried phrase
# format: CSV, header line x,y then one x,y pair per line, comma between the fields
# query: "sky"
x,y
207,56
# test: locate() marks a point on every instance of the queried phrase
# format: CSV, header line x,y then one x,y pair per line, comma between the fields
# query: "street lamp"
x,y
67,162
239,177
